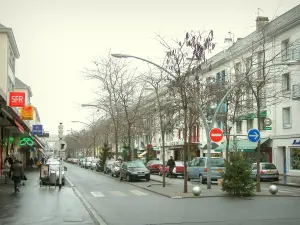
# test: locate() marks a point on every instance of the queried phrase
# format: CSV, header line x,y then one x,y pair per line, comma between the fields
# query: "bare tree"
x,y
108,71
181,59
129,92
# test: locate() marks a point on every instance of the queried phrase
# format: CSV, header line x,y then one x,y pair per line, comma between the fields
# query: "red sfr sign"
x,y
16,99
216,134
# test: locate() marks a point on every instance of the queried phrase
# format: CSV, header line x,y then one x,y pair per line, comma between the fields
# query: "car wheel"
x,y
159,173
128,178
121,178
148,178
201,180
112,174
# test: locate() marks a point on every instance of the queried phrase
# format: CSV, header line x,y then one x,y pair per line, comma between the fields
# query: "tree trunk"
x,y
94,142
116,142
185,189
129,141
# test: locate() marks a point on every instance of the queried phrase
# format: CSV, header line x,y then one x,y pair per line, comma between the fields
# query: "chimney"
x,y
228,42
261,22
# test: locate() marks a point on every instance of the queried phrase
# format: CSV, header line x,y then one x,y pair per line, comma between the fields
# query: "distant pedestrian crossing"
x,y
103,194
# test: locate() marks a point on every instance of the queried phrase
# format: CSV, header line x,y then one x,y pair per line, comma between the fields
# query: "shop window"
x,y
295,158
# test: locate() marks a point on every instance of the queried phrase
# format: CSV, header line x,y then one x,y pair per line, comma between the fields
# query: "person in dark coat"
x,y
171,165
17,174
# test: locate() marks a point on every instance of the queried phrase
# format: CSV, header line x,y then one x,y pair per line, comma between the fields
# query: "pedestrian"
x,y
171,165
17,174
10,161
23,178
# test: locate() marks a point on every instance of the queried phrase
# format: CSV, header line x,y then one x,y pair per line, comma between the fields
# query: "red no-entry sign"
x,y
216,134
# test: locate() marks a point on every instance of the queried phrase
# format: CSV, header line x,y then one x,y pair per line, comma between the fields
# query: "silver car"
x,y
268,171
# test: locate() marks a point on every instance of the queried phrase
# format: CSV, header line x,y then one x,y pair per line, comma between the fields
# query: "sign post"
x,y
253,135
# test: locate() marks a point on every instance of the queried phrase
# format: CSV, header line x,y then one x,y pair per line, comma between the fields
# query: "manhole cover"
x,y
73,219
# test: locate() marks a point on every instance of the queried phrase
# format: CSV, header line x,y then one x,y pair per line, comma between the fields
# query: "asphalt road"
x,y
121,203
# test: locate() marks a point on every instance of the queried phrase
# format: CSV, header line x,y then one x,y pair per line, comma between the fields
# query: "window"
x,y
239,126
260,64
286,117
286,82
295,158
249,124
261,123
285,50
237,70
248,64
218,162
219,124
218,78
223,75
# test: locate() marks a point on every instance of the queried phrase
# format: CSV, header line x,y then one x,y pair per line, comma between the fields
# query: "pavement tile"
x,y
40,205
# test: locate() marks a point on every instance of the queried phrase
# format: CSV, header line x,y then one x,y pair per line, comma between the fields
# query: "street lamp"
x,y
206,124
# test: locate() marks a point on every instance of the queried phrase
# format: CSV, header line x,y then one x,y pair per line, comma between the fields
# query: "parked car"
x,y
88,162
115,169
198,169
268,171
94,164
153,166
177,171
99,167
107,167
134,170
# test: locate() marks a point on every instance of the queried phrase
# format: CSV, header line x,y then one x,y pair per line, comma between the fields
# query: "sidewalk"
x,y
174,189
40,205
291,181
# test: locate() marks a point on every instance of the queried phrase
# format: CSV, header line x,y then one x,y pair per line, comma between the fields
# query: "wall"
x,y
3,64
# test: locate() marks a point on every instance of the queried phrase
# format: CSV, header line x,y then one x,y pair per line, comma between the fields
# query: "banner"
x,y
27,113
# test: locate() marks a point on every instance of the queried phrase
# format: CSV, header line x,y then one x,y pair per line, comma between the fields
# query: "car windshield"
x,y
157,162
217,162
179,163
268,166
136,164
90,159
95,160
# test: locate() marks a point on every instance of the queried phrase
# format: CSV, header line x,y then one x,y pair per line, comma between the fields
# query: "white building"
x,y
281,144
278,40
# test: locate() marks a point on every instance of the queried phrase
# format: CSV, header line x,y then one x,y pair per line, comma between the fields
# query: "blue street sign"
x,y
253,135
37,129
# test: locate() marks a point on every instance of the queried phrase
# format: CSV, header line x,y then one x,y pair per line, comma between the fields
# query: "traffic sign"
x,y
37,129
61,145
253,135
216,134
267,122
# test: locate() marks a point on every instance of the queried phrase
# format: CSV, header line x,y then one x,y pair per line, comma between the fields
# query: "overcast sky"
x,y
58,38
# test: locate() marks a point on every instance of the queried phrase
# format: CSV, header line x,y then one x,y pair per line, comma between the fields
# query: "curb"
x,y
92,212
287,185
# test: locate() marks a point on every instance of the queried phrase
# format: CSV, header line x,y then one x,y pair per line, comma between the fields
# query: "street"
x,y
122,203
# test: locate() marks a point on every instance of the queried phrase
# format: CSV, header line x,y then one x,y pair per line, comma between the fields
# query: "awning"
x,y
242,145
213,145
38,142
11,114
248,116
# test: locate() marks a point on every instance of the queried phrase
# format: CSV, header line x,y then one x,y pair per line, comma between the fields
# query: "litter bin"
x,y
52,178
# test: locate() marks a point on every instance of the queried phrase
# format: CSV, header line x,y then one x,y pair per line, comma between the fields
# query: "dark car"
x,y
134,170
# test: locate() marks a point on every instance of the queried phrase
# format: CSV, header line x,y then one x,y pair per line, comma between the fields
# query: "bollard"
x,y
273,189
196,190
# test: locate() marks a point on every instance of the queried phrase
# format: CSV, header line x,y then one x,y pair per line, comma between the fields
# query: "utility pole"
x,y
60,136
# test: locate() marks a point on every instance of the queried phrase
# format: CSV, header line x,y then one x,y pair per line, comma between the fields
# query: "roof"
x,y
12,40
285,21
20,84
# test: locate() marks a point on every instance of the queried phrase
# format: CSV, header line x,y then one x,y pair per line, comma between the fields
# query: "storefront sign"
x,y
37,129
26,141
27,112
296,142
16,99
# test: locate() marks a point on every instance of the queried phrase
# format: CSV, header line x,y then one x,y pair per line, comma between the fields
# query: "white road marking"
x,y
136,192
97,194
118,193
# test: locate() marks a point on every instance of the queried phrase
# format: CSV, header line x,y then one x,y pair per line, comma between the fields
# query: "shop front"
x,y
287,155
